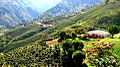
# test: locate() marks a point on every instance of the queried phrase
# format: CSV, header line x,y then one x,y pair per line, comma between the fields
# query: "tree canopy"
x,y
113,30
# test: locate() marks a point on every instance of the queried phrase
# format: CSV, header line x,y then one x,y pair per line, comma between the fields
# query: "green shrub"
x,y
78,56
67,44
78,44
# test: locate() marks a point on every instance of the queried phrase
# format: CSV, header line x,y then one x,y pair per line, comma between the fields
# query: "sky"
x,y
45,4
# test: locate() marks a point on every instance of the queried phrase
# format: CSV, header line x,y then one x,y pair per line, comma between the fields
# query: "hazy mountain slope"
x,y
29,51
100,17
14,12
69,6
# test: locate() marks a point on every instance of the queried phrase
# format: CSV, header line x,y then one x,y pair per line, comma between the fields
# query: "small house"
x,y
97,34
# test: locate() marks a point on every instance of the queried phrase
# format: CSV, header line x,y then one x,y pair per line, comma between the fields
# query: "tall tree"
x,y
113,30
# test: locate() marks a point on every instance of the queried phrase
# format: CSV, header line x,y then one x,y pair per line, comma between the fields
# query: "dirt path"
x,y
52,42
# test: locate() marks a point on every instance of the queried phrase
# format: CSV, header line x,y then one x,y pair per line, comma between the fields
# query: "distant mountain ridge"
x,y
69,6
15,12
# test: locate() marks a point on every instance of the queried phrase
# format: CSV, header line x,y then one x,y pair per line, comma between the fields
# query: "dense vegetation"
x,y
30,55
27,45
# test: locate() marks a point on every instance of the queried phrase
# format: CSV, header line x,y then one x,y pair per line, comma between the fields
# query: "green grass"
x,y
88,46
116,50
111,40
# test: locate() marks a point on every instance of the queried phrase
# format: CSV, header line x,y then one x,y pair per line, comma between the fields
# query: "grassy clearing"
x,y
110,40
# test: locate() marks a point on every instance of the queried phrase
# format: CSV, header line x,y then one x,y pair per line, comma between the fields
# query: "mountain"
x,y
15,12
69,6
98,17
21,45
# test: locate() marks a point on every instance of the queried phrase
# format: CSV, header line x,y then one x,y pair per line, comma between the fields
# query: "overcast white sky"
x,y
45,4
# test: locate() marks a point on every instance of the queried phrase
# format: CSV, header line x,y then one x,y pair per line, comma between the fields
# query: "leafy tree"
x,y
78,44
62,35
80,31
78,56
67,44
72,46
119,28
68,36
74,35
70,51
113,30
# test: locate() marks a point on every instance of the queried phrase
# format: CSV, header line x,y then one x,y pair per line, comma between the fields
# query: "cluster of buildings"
x,y
45,25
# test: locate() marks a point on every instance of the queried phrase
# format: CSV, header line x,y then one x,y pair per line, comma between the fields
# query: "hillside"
x,y
28,41
16,12
68,6
89,19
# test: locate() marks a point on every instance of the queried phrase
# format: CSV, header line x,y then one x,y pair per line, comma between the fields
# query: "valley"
x,y
59,40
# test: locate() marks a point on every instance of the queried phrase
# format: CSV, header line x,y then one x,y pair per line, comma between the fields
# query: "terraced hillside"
x,y
100,17
28,41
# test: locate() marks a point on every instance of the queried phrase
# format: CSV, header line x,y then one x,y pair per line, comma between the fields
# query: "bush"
x,y
74,35
78,56
78,44
62,34
67,44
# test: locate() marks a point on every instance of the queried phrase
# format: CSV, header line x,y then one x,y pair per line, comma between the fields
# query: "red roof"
x,y
97,34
